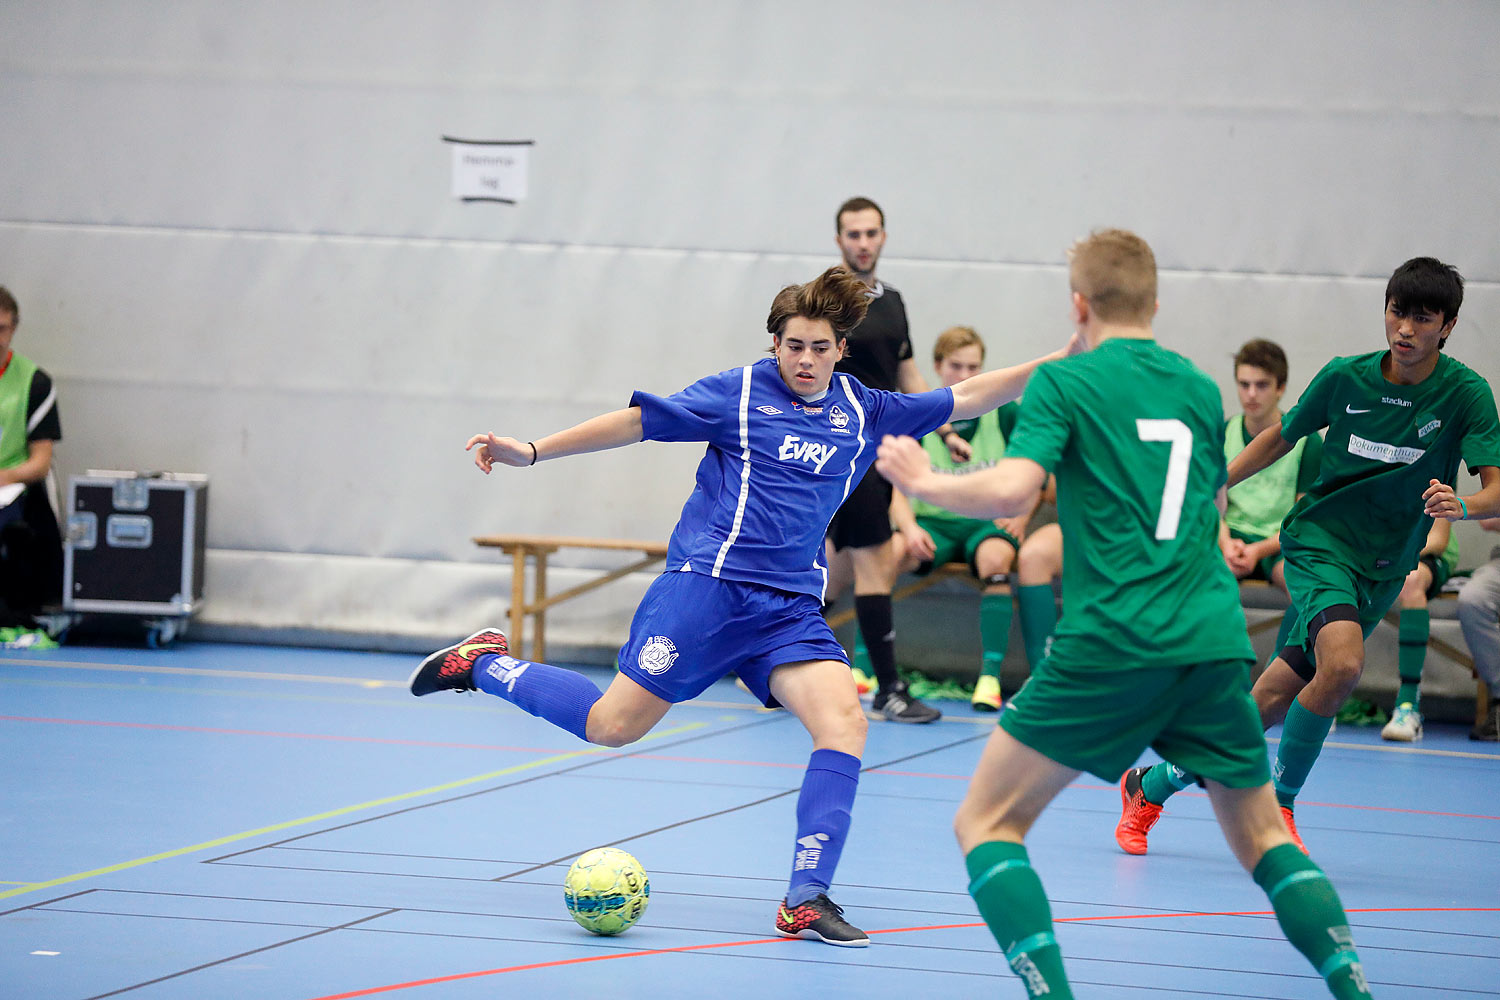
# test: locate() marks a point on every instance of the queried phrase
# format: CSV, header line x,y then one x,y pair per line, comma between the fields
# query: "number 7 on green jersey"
x,y
1174,490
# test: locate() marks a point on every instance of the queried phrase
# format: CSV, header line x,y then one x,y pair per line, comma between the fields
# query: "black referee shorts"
x,y
865,518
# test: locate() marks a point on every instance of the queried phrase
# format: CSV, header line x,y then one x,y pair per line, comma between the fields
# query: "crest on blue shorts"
x,y
657,655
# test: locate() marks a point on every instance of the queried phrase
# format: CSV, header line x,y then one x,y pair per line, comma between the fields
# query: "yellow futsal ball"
x,y
606,890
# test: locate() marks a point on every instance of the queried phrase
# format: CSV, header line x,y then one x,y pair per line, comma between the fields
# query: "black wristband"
x,y
533,453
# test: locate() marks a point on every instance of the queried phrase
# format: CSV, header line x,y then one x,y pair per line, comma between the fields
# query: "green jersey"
x,y
1385,443
1257,505
986,435
15,396
1134,433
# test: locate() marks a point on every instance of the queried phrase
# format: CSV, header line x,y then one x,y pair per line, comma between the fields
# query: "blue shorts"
x,y
691,630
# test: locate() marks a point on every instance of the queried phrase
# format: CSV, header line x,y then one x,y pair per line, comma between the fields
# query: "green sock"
x,y
1302,736
1014,906
994,631
860,658
1313,919
1038,609
1413,630
1162,781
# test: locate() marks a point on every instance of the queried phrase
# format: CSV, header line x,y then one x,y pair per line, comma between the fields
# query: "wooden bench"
x,y
536,549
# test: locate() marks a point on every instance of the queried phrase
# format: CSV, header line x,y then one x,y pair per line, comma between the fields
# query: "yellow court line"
x,y
204,672
245,835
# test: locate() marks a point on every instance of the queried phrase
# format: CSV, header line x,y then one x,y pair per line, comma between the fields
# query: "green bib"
x,y
1449,555
1257,505
988,447
15,396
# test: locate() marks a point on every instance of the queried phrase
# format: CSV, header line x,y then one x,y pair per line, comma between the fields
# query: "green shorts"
x,y
954,537
1264,567
1199,717
1317,582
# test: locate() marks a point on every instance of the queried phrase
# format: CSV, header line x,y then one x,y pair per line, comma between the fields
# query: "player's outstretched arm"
x,y
1443,502
1264,449
1006,489
611,430
983,392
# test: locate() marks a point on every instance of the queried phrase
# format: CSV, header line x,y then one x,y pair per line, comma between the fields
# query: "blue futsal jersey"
x,y
776,469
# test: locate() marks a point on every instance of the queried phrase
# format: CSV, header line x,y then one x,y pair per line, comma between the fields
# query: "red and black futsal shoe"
x,y
1137,816
819,919
452,667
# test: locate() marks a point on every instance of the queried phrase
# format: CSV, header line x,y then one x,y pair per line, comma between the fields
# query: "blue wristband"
x,y
1462,506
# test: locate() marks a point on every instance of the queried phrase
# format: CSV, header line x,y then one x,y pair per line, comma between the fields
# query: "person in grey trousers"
x,y
1479,614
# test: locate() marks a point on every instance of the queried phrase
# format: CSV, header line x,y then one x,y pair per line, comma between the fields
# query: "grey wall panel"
x,y
230,229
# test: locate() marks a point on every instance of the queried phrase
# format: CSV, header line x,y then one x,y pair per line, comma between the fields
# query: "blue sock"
x,y
562,697
822,822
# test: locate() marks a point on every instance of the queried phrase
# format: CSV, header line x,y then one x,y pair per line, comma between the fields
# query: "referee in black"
x,y
879,355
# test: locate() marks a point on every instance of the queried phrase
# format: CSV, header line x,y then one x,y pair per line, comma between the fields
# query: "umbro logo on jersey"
x,y
769,410
794,449
1350,409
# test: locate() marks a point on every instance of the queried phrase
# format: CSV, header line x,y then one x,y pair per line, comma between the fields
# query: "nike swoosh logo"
x,y
465,649
1350,409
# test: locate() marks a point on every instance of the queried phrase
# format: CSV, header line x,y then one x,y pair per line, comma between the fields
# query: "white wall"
x,y
230,231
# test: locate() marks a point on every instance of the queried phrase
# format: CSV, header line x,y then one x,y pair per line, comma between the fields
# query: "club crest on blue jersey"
x,y
657,655
838,418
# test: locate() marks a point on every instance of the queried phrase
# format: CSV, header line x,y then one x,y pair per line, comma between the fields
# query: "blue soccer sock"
x,y
1302,736
562,697
823,810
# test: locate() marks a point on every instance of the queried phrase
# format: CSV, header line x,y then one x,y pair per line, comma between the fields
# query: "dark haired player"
x,y
1399,421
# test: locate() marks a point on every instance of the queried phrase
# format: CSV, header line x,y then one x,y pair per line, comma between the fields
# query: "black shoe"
x,y
452,667
1488,731
899,706
819,919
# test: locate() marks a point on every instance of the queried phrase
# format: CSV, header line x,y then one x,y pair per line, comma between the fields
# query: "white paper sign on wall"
x,y
490,170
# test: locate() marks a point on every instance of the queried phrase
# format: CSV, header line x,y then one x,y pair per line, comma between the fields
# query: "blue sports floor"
x,y
215,821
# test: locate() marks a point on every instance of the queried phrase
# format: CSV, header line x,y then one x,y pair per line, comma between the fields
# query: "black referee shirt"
x,y
880,343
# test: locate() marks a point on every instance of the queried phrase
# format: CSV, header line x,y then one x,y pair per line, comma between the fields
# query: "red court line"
x,y
637,756
374,990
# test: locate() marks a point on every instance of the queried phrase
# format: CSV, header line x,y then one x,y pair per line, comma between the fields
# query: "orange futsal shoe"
x,y
1291,827
1137,816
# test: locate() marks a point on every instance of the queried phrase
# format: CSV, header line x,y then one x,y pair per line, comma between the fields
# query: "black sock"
x,y
879,631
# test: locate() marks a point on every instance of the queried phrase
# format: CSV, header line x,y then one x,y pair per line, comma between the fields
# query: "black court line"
x,y
592,761
175,916
55,899
737,808
244,954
